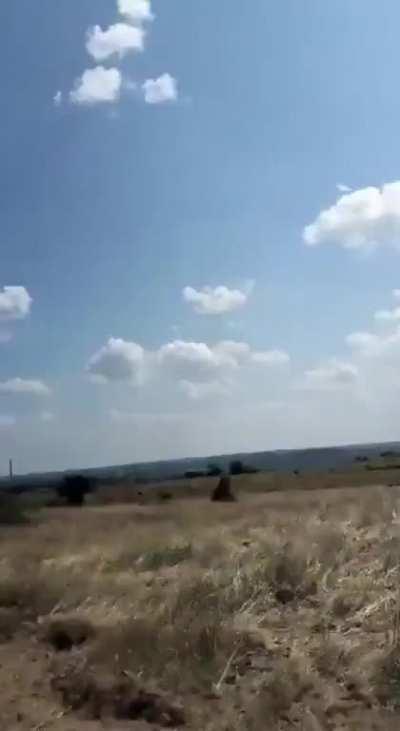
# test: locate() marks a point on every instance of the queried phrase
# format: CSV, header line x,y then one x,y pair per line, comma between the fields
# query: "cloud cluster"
x,y
370,369
100,85
197,368
383,343
360,219
15,304
214,301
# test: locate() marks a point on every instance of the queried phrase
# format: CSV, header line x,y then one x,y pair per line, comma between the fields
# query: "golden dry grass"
x,y
279,611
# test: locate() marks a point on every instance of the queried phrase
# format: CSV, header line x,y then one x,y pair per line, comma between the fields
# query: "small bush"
x,y
11,511
74,489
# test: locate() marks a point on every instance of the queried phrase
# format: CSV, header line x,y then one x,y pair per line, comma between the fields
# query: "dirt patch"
x,y
97,698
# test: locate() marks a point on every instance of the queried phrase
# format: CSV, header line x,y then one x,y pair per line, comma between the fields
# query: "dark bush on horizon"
x,y
74,489
237,467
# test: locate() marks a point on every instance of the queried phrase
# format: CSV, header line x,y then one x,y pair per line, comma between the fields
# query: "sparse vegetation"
x,y
277,612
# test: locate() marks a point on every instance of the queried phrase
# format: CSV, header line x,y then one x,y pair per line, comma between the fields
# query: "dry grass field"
x,y
279,611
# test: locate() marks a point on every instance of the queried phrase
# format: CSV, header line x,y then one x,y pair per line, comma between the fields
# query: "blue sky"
x,y
209,136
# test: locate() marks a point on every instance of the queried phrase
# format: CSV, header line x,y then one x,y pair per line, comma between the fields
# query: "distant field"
x,y
259,482
280,611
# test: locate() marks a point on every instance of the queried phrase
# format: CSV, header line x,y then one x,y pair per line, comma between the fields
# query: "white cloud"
x,y
377,355
57,98
160,90
342,188
15,303
193,363
118,360
215,301
137,11
25,386
361,219
368,343
334,374
271,357
119,39
96,86
197,369
233,351
396,293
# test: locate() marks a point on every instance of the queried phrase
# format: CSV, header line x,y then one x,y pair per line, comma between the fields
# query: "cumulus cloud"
x,y
203,370
198,369
96,86
160,90
137,11
119,39
361,219
191,361
25,386
57,98
214,301
342,188
15,303
117,360
334,374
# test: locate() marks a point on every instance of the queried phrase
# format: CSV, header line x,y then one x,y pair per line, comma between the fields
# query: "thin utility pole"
x,y
10,469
